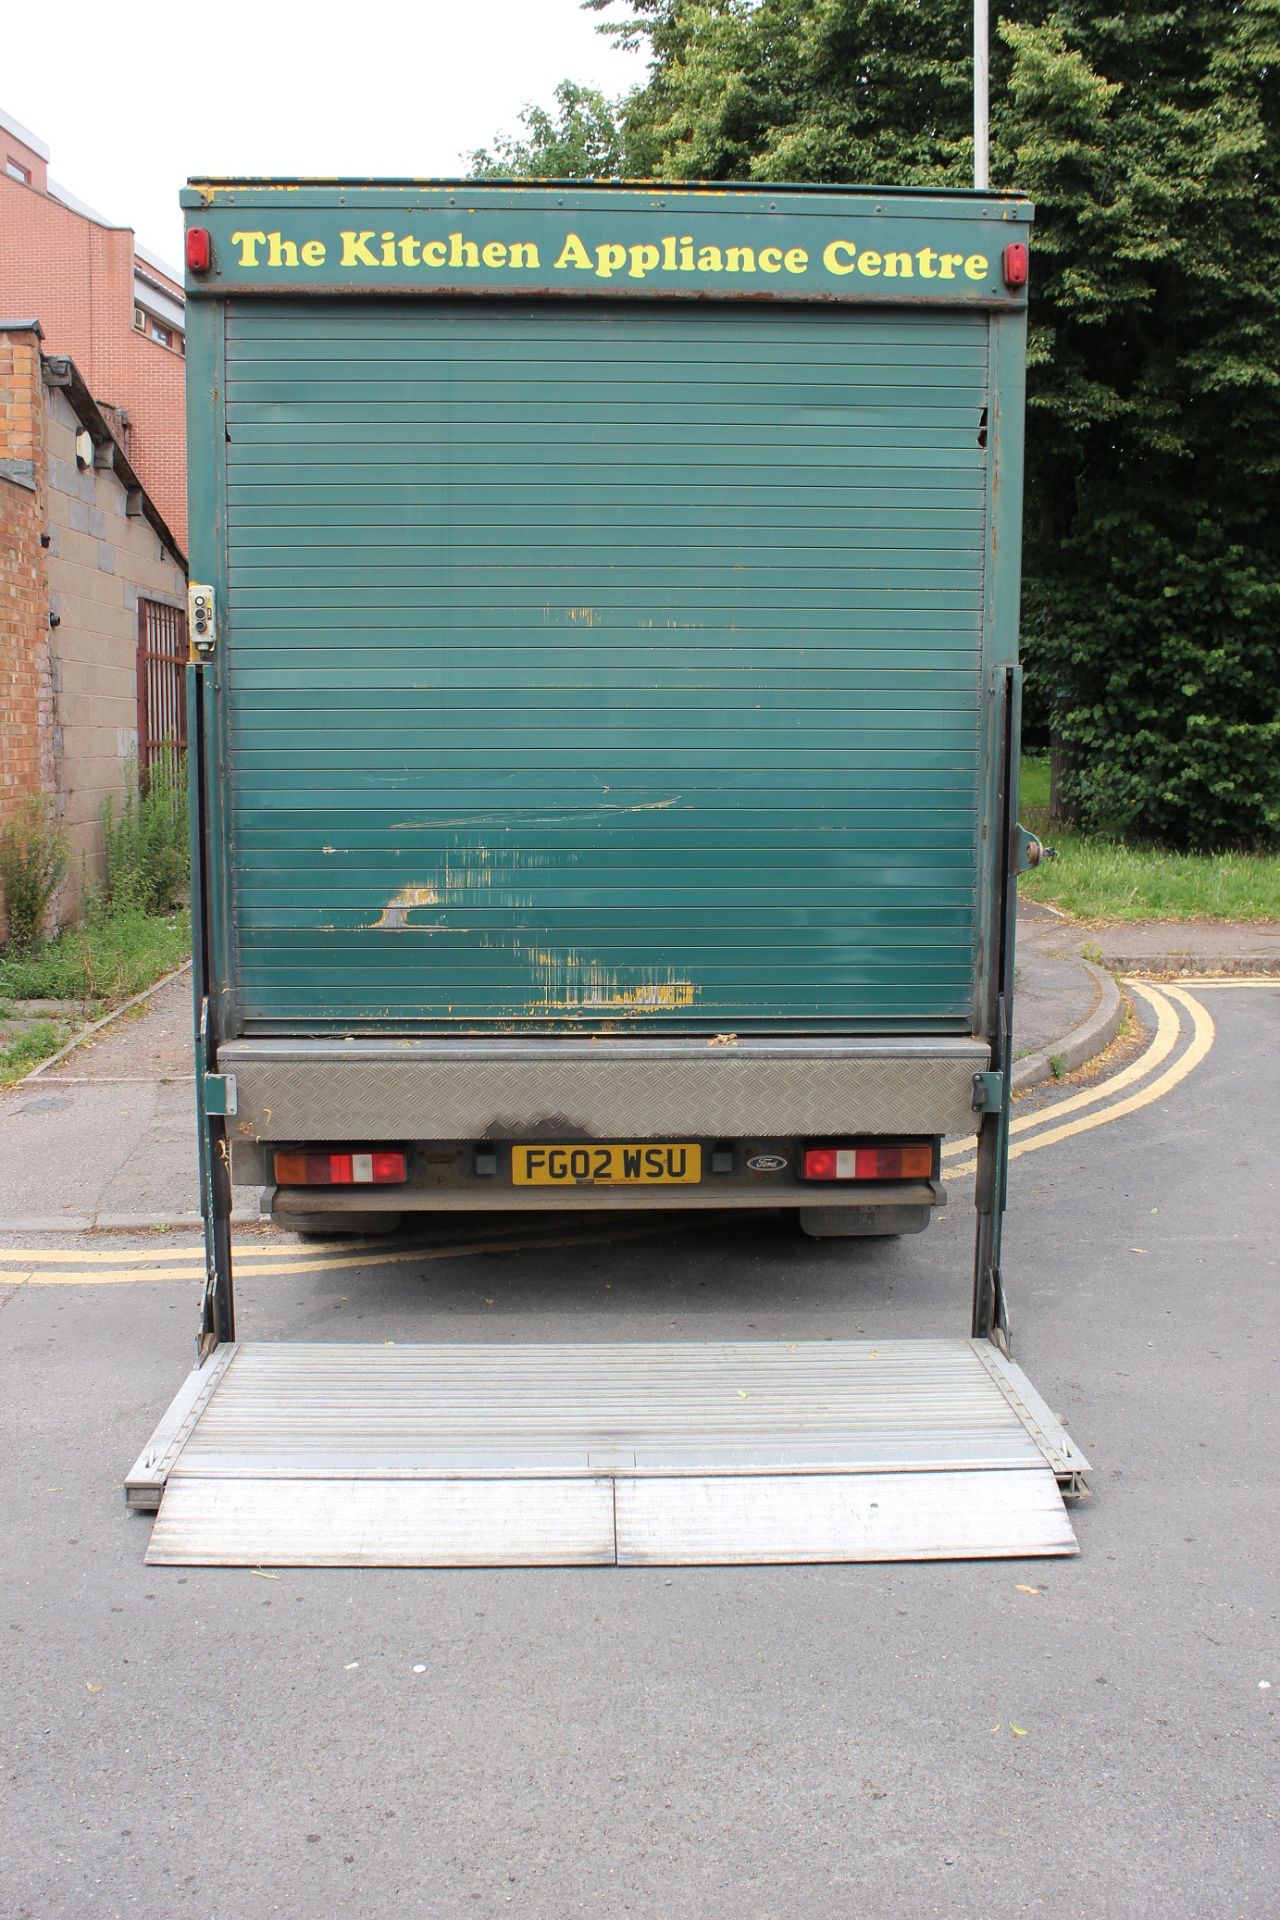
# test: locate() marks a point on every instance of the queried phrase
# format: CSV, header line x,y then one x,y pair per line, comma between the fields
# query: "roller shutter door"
x,y
599,668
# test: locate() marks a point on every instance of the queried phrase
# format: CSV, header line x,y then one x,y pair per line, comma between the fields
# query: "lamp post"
x,y
981,78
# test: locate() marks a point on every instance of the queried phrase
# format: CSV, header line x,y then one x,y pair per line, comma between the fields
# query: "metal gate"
x,y
162,699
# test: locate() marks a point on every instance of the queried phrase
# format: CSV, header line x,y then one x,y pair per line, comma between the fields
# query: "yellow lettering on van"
x,y
248,244
574,254
355,249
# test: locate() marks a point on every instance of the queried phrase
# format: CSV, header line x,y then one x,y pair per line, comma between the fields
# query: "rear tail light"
x,y
913,1161
380,1168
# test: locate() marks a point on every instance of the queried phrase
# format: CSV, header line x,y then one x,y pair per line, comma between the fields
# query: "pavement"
x,y
103,1137
1066,1009
1169,948
1062,1740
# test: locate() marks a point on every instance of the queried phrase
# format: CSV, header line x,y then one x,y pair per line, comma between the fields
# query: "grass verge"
x,y
111,958
103,962
1100,879
27,1050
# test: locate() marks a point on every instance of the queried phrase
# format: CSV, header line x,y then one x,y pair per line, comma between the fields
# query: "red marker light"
x,y
379,1168
199,249
911,1160
1016,264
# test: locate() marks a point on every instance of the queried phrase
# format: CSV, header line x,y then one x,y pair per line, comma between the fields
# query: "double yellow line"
x,y
108,1267
1046,1129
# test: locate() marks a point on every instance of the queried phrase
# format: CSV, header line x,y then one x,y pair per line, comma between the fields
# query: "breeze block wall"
x,y
102,561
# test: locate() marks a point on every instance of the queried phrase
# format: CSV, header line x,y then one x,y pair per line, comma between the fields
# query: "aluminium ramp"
x,y
626,1454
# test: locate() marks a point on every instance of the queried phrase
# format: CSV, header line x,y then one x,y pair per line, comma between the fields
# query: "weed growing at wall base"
x,y
27,1050
33,864
146,846
136,929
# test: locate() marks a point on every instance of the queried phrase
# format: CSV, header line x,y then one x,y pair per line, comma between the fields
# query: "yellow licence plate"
x,y
672,1164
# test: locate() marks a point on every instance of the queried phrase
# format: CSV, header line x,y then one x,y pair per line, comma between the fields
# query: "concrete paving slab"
x,y
1056,990
1226,947
150,1042
80,1149
1189,946
103,1154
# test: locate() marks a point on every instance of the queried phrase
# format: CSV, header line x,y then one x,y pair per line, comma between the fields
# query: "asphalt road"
x,y
789,1743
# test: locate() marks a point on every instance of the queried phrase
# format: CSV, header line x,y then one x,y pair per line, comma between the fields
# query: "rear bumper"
x,y
289,1204
521,1089
437,1098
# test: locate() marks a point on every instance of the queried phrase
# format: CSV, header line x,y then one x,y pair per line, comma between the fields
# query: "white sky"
x,y
133,99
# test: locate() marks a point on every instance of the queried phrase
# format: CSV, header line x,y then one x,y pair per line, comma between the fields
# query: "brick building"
x,y
105,303
92,592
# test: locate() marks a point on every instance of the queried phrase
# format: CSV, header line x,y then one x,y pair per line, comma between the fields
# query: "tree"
x,y
838,90
582,142
1153,584
1149,136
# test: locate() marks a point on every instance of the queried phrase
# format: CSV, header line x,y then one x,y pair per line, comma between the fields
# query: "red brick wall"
x,y
11,148
76,278
26,691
